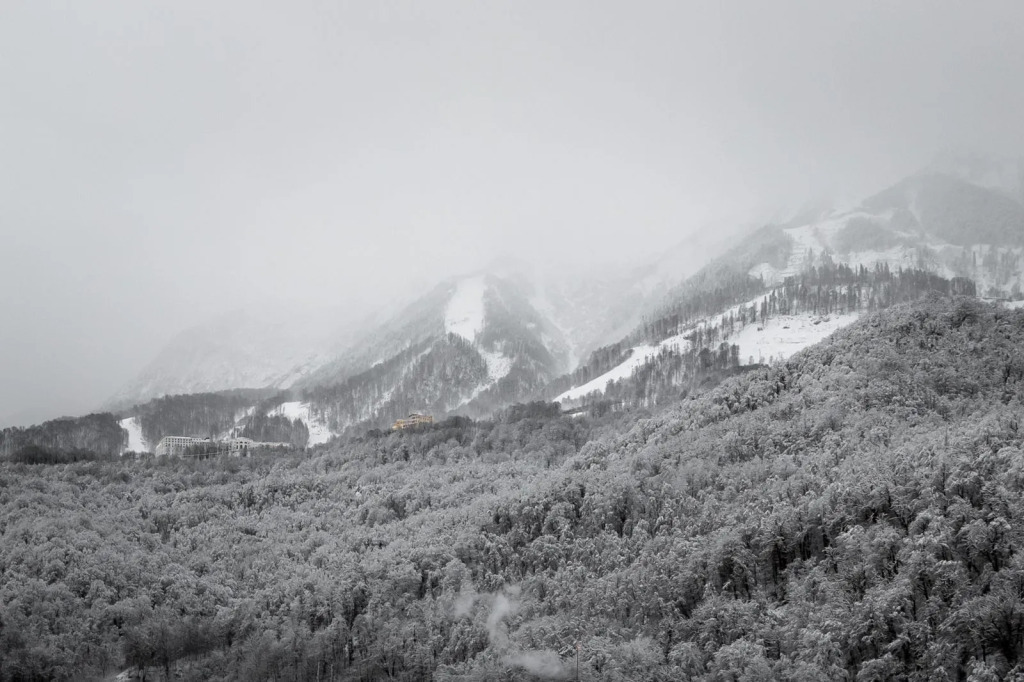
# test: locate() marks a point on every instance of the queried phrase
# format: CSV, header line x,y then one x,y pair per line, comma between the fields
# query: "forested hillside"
x,y
472,345
953,210
199,414
434,376
694,339
94,435
854,513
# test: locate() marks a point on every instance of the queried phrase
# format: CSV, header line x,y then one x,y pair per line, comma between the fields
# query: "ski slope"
x,y
782,336
136,441
776,340
318,431
640,355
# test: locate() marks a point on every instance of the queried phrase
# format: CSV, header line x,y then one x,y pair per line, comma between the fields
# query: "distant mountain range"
x,y
633,337
954,227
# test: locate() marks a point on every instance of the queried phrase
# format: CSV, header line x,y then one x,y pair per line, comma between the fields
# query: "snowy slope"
x,y
136,441
498,364
940,223
962,225
600,304
639,355
810,242
774,341
472,344
782,336
464,314
319,433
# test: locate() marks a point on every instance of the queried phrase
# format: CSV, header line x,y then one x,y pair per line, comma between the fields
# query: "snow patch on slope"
x,y
812,240
782,336
778,339
984,266
498,365
136,441
639,355
465,312
318,431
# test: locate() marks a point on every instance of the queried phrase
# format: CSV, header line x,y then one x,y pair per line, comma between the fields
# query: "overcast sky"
x,y
161,162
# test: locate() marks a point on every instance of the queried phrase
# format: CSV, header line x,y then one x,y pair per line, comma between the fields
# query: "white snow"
x,y
639,356
810,241
136,441
465,312
498,365
318,431
782,336
997,281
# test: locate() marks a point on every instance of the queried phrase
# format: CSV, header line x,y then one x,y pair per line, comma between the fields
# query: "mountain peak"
x,y
1003,174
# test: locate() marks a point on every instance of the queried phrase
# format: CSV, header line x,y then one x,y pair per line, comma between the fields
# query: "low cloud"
x,y
545,664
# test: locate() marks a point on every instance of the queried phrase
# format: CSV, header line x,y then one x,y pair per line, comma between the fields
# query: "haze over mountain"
x,y
512,341
165,164
630,337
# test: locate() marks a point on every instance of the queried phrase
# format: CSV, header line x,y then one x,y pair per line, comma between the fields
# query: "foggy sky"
x,y
161,162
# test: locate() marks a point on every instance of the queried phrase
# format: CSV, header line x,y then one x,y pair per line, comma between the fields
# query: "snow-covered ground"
x,y
782,336
999,281
776,340
465,312
810,241
639,356
318,431
498,365
136,441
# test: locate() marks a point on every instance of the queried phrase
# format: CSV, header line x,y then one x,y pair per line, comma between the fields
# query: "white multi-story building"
x,y
238,445
176,445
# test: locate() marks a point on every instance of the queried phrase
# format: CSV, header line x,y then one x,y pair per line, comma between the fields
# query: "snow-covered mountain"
x,y
472,344
599,306
478,343
788,286
939,223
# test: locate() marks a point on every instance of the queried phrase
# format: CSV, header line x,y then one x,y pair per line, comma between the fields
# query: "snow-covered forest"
x,y
853,513
511,341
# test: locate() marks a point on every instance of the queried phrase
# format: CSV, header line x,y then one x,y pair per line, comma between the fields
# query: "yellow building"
x,y
414,419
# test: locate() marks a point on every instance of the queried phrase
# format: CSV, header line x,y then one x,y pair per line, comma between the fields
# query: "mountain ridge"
x,y
477,343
